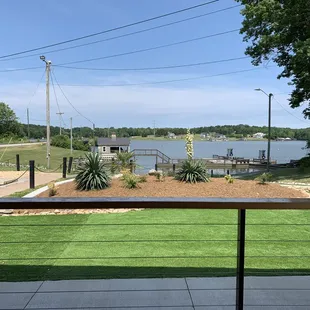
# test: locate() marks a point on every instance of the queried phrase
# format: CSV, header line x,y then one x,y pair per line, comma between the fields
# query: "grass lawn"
x,y
287,175
37,153
151,243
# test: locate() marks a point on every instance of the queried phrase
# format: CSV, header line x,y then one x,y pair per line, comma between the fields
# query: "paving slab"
x,y
213,297
113,285
287,282
293,298
110,299
14,300
211,283
19,287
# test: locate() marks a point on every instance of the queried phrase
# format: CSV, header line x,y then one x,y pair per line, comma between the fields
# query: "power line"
x,y
20,69
60,113
127,34
35,91
157,68
151,48
167,81
69,100
110,30
302,120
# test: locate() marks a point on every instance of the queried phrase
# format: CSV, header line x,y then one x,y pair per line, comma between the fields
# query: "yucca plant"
x,y
94,175
192,172
131,180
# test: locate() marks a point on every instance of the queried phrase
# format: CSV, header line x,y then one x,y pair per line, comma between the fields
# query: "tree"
x,y
8,120
279,30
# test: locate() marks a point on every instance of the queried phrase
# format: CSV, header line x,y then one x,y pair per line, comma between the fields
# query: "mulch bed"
x,y
168,188
172,188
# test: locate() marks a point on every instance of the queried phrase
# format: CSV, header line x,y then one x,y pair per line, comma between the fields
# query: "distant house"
x,y
204,135
219,136
259,135
171,135
113,145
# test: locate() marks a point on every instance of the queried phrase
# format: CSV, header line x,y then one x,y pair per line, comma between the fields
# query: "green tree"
x,y
8,121
279,30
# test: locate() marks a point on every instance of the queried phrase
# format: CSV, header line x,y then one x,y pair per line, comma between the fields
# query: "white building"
x,y
259,135
109,147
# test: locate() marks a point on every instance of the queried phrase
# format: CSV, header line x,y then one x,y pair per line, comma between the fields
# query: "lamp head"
x,y
42,58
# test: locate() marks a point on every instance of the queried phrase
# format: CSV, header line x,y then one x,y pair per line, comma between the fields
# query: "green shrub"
x,y
123,160
192,172
304,162
229,179
61,141
130,180
142,179
264,178
94,174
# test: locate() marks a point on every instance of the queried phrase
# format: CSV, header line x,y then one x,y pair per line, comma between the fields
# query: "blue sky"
x,y
223,99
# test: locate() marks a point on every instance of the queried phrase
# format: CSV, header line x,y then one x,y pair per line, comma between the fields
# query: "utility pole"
x,y
60,113
48,113
154,128
94,138
269,132
28,123
269,125
71,135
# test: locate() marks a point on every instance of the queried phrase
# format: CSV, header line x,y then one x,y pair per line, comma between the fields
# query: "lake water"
x,y
282,152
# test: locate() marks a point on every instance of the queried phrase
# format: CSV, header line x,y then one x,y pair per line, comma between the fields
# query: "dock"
x,y
165,162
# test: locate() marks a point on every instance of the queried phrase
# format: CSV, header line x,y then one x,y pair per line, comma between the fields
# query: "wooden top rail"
x,y
155,203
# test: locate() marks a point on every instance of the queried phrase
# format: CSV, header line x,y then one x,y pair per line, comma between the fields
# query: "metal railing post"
x,y
17,163
70,164
31,174
240,260
64,167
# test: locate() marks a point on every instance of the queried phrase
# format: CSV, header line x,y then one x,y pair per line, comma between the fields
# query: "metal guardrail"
x,y
239,240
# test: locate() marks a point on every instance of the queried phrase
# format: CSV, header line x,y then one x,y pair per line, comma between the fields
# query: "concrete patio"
x,y
190,293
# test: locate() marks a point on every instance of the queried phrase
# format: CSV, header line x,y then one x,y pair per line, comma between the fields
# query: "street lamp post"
x,y
269,125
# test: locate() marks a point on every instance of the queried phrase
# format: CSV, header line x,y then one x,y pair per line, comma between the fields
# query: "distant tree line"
x,y
10,126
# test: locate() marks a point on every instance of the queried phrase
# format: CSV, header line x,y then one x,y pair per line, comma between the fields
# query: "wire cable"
x,y
20,69
157,68
127,34
151,48
165,81
110,30
57,101
302,120
52,71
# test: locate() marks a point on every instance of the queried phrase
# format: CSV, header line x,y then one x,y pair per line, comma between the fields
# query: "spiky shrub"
x,y
123,159
264,178
52,189
94,175
229,179
130,180
192,172
142,179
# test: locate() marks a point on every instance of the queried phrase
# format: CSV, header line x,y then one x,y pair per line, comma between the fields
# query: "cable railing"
x,y
237,253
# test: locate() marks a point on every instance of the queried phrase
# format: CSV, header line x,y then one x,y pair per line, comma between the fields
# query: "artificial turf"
x,y
152,243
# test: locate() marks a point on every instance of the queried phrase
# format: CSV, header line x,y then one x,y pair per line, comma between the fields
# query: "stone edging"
x,y
45,188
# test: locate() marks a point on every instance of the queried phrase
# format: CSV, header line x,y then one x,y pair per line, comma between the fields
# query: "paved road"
x,y
191,293
21,144
23,183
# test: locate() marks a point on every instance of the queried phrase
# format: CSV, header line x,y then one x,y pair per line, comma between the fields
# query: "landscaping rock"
x,y
6,211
